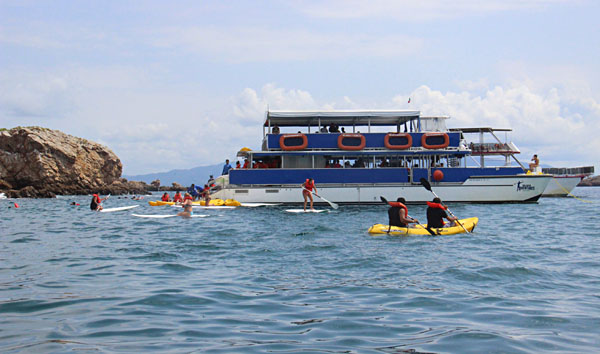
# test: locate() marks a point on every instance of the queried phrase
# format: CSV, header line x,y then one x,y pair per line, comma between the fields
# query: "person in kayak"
x,y
177,198
398,214
307,188
187,207
166,197
96,204
436,212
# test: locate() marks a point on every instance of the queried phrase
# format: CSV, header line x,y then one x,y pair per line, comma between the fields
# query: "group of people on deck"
x,y
436,213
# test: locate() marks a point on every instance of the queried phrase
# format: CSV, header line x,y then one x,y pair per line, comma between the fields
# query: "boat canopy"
x,y
480,130
341,118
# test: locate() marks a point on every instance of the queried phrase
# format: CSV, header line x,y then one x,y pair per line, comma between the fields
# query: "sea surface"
x,y
256,280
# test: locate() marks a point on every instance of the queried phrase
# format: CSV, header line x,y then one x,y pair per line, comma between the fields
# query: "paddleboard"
x,y
207,207
108,210
165,216
254,205
306,211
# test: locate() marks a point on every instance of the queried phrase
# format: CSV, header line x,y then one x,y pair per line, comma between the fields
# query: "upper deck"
x,y
407,132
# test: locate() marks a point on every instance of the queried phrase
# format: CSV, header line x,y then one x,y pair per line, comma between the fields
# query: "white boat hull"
x,y
483,189
561,186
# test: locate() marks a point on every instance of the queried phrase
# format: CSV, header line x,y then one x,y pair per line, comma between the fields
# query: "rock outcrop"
x,y
41,162
590,181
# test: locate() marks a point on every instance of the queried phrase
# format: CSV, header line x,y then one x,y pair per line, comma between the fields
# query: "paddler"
x,y
177,198
398,214
307,188
166,197
436,212
187,206
96,204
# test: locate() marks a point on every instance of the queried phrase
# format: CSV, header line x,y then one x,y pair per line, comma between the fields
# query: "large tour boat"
x,y
388,158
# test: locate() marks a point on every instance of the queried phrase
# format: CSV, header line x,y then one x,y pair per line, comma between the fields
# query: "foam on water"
x,y
263,280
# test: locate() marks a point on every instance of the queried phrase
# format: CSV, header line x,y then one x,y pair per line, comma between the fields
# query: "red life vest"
x,y
399,205
177,198
436,205
165,198
309,185
187,197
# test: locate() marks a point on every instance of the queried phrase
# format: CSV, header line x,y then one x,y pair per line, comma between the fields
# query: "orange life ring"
x,y
427,136
341,145
293,137
390,146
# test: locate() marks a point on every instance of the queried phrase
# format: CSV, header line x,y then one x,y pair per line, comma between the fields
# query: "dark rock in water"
x,y
590,181
41,162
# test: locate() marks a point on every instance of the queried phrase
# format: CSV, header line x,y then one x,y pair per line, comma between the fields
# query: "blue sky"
x,y
181,84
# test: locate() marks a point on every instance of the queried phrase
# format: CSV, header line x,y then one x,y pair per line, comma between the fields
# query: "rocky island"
x,y
41,162
592,181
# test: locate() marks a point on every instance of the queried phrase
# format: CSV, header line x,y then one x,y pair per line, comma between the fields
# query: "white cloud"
x,y
29,95
253,44
415,11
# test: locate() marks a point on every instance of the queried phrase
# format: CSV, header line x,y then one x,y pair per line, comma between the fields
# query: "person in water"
x,y
206,194
436,212
307,191
534,164
187,207
398,214
177,198
166,197
96,203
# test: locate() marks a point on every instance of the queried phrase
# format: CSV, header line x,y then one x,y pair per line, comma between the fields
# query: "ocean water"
x,y
262,280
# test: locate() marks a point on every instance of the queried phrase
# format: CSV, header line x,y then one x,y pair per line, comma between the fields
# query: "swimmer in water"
x,y
187,207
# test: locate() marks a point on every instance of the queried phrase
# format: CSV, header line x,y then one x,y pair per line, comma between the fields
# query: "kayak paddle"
x,y
427,186
423,226
333,205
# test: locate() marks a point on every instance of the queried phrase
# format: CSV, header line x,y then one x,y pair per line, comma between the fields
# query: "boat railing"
x,y
493,148
584,170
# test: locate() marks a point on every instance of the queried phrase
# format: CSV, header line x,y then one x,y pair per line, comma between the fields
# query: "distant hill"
x,y
196,175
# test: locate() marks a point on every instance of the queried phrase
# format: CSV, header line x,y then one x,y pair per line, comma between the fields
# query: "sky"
x,y
179,84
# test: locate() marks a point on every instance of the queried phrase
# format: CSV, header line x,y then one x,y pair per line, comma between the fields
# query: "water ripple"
x,y
262,280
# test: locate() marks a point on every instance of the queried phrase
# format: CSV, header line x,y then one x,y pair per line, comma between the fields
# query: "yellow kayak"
x,y
380,229
160,202
213,202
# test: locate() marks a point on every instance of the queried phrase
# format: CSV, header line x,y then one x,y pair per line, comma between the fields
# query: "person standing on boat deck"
x,y
398,214
534,164
226,167
436,212
275,129
307,188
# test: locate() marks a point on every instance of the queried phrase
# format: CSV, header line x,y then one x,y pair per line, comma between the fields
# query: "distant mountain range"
x,y
197,175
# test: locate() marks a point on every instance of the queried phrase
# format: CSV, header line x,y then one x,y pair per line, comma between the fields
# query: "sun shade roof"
x,y
341,118
480,130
